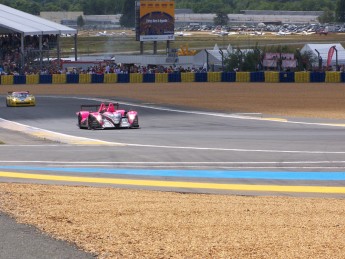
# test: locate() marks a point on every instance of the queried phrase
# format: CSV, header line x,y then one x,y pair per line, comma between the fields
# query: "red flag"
x,y
330,55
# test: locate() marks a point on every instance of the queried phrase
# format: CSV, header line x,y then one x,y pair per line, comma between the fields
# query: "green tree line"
x,y
104,7
198,6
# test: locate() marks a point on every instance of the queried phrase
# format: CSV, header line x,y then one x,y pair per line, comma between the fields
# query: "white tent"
x,y
215,57
323,50
15,21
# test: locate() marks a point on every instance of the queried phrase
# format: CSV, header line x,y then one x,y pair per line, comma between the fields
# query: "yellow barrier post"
x,y
187,77
161,78
135,78
333,77
271,77
59,79
85,78
242,76
110,78
214,76
7,80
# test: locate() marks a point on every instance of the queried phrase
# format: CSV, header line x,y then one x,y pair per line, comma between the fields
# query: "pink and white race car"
x,y
106,116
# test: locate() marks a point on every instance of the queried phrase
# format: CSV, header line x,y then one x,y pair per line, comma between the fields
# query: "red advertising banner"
x,y
330,55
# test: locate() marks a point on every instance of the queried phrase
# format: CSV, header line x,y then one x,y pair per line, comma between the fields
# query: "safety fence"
x,y
267,77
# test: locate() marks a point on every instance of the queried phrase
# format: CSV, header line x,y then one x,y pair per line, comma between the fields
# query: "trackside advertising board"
x,y
157,20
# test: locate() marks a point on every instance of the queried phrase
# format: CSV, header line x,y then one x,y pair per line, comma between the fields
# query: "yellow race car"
x,y
23,98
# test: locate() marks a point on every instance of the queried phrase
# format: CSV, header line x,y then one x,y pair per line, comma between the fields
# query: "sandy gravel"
x,y
118,223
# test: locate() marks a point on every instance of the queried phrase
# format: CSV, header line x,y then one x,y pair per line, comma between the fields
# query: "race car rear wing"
x,y
90,107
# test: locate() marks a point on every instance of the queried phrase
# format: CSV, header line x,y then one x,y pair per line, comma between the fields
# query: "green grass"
x,y
119,44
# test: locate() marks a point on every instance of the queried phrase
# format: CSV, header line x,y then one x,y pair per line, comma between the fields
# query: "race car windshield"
x,y
20,95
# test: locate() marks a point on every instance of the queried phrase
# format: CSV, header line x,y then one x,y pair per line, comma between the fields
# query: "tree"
x,y
80,21
327,17
221,19
127,18
340,11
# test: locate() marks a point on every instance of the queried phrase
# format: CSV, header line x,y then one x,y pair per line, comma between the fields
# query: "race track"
x,y
179,150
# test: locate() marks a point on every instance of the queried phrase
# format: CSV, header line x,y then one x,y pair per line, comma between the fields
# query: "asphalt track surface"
x,y
177,150
174,150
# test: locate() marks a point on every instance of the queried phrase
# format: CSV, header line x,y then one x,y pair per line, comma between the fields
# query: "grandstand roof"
x,y
15,21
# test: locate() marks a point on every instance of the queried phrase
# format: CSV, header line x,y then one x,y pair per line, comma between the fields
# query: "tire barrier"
x,y
123,78
302,77
7,80
272,77
19,80
97,78
229,77
317,77
200,77
46,79
32,79
149,78
214,77
333,77
257,77
161,78
187,77
135,78
267,76
243,77
110,78
84,78
72,79
174,78
59,79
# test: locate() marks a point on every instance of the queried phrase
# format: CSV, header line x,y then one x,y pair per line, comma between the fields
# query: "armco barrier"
x,y
271,77
214,76
60,79
317,77
149,78
72,79
333,77
18,80
243,77
161,78
302,77
7,80
228,77
84,78
257,77
174,77
110,78
200,77
187,77
46,79
97,78
135,78
286,77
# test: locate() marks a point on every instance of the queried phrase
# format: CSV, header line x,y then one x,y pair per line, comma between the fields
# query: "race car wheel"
x,y
79,121
89,123
92,123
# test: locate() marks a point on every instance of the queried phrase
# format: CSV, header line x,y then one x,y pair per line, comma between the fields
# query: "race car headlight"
x,y
131,116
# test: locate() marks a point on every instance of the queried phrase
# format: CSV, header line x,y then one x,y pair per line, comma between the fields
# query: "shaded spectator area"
x,y
26,40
